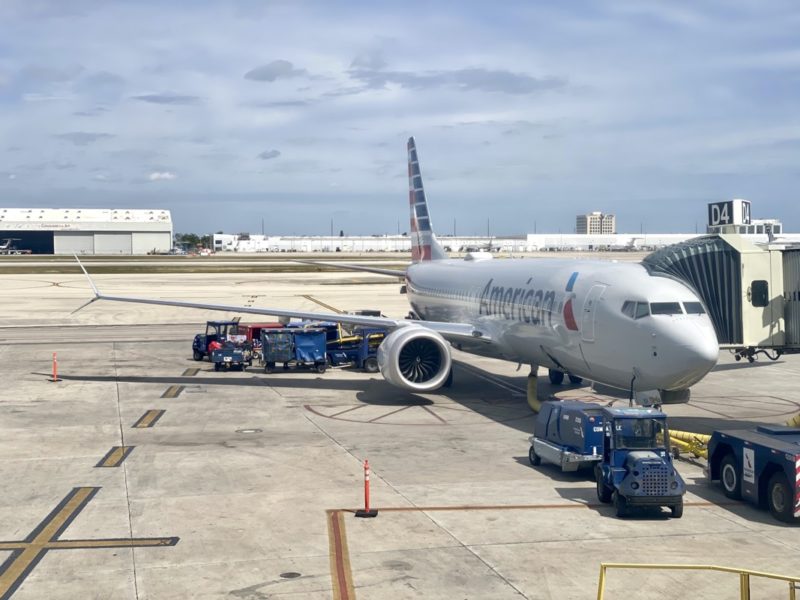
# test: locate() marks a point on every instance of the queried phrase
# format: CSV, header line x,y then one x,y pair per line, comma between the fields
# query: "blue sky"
x,y
525,113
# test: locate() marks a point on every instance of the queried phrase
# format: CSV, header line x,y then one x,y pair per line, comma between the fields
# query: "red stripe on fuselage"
x,y
569,316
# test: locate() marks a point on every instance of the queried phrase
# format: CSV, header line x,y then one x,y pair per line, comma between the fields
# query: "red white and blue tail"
x,y
423,242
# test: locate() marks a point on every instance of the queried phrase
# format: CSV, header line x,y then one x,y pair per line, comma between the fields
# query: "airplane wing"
x,y
352,267
450,331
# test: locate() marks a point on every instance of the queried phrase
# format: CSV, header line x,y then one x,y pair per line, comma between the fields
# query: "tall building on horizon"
x,y
596,223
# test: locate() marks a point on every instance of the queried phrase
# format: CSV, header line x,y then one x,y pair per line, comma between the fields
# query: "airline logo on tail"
x,y
423,242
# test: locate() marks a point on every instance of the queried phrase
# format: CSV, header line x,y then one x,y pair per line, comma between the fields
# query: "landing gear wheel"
x,y
197,355
620,504
371,365
534,458
556,377
677,510
730,477
604,492
780,497
575,380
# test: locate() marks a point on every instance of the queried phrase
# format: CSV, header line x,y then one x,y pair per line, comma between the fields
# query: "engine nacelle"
x,y
414,358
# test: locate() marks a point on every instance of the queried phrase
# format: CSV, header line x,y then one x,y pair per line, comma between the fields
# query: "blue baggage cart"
x,y
293,346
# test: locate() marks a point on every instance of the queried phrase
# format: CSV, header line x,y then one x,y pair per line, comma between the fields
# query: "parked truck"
x,y
628,448
760,465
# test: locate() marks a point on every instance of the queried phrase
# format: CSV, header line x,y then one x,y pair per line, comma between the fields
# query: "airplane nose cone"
x,y
700,351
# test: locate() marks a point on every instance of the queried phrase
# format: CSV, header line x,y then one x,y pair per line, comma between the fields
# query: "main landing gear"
x,y
557,377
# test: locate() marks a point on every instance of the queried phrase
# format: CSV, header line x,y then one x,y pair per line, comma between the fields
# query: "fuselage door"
x,y
588,318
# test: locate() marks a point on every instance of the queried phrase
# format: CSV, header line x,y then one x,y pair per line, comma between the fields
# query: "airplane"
x,y
612,323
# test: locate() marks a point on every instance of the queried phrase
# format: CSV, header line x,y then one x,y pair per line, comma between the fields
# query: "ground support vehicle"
x,y
232,356
760,465
569,434
628,448
298,346
252,333
360,350
218,331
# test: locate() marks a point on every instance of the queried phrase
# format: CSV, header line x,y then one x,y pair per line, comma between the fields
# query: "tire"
x,y
556,377
575,380
730,477
217,366
269,367
320,367
677,510
780,498
604,492
197,355
620,504
534,458
371,365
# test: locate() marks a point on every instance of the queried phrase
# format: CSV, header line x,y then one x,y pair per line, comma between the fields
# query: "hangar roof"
x,y
84,215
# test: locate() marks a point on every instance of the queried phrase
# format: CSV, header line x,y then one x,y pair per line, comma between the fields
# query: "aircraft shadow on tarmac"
x,y
744,365
504,407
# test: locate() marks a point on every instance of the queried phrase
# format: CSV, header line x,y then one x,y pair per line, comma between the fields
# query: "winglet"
x,y
97,295
91,283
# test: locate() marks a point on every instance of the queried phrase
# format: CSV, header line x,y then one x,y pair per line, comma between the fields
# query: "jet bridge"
x,y
751,291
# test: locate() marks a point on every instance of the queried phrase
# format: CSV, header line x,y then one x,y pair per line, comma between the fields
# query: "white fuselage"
x,y
568,315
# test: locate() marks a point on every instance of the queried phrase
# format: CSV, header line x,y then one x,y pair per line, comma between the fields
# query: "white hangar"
x,y
87,230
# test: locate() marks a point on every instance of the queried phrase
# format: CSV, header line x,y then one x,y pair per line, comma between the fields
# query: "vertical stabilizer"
x,y
423,243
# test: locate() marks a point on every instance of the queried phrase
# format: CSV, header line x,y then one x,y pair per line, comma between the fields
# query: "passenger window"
x,y
629,308
666,308
694,308
642,310
759,291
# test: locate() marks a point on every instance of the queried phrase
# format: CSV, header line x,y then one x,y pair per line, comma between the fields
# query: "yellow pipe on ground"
x,y
688,436
694,443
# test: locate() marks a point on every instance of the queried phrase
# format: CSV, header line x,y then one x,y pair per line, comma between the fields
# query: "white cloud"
x,y
162,176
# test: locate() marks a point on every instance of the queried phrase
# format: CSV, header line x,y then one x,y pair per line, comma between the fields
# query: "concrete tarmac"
x,y
143,474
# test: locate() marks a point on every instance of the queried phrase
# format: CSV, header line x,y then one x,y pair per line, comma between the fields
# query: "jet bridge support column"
x,y
533,394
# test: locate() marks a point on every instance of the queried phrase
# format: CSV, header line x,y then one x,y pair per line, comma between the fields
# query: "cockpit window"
x,y
694,308
629,308
642,310
666,308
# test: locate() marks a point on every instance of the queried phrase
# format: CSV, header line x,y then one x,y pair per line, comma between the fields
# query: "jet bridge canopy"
x,y
712,267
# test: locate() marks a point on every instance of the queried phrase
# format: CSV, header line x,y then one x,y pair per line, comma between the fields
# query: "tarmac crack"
x,y
124,467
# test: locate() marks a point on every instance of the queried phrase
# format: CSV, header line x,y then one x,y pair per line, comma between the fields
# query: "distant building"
x,y
87,230
596,223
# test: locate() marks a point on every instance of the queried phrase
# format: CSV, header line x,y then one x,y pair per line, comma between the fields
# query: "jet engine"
x,y
414,358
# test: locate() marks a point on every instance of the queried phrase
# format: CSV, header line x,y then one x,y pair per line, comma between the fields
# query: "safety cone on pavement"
x,y
367,512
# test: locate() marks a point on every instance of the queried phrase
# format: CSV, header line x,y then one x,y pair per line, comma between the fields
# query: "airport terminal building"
x,y
87,230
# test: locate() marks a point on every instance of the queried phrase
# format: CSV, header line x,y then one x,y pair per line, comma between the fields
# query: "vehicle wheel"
x,y
677,510
269,367
197,355
320,368
556,377
243,367
285,366
534,458
371,365
620,504
603,491
730,477
779,498
575,380
217,366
